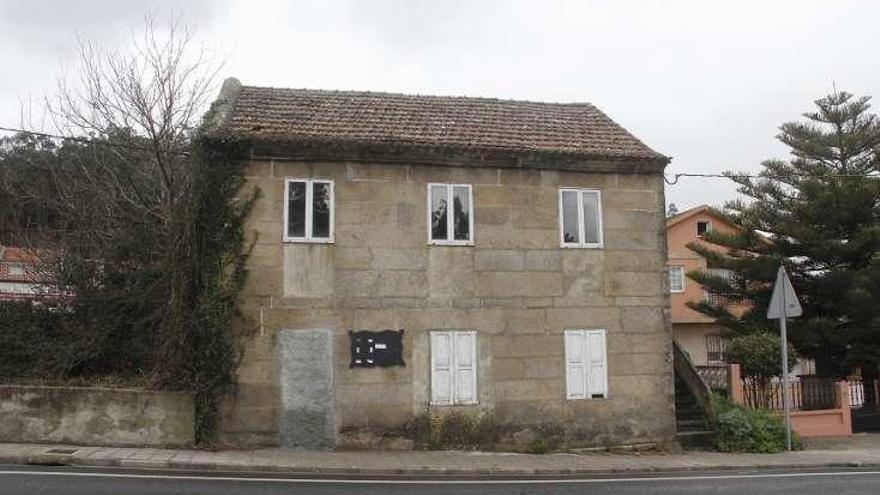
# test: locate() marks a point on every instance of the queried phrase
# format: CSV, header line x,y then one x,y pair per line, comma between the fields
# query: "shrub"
x,y
454,430
741,429
421,430
759,355
539,446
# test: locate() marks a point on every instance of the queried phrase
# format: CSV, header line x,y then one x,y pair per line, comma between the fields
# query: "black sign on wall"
x,y
371,349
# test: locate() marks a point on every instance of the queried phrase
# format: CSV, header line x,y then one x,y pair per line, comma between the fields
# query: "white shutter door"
x,y
441,368
598,373
575,365
465,367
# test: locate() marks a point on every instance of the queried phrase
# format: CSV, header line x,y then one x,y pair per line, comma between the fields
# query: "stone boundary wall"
x,y
96,416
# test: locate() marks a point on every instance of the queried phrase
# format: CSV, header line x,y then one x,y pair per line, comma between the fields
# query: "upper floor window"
x,y
703,226
308,210
450,214
676,279
580,218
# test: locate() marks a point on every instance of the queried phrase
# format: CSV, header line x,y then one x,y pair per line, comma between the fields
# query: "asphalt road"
x,y
52,480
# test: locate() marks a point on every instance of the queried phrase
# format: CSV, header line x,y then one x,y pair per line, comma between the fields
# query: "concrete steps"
x,y
692,425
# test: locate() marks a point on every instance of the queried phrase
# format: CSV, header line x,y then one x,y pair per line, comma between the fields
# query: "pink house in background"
x,y
699,335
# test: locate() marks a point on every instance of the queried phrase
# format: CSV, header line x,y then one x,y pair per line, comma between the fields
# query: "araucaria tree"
x,y
817,213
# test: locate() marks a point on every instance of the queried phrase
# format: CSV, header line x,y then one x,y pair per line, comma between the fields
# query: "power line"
x,y
86,140
673,181
676,177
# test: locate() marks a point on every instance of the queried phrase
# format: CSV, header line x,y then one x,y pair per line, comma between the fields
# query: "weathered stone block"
x,y
441,258
634,284
526,345
636,364
561,319
525,321
402,284
491,215
352,258
513,284
634,261
450,284
577,262
617,199
498,260
543,260
644,320
360,213
376,172
255,169
515,177
293,170
529,389
399,259
529,217
308,271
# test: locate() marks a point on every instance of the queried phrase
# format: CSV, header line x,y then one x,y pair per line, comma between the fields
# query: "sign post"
x,y
784,304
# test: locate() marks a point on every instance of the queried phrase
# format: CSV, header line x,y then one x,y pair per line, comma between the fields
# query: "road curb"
x,y
430,471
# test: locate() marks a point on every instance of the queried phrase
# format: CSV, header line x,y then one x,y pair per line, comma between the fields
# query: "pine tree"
x,y
817,213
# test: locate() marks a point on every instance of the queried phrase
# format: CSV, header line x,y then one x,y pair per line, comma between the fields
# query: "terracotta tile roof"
x,y
20,265
579,129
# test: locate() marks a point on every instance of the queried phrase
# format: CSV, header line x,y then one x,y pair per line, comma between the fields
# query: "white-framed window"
x,y
453,367
714,349
308,210
586,364
703,226
580,218
676,278
451,214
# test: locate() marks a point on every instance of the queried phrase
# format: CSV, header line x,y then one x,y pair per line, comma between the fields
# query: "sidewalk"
x,y
862,450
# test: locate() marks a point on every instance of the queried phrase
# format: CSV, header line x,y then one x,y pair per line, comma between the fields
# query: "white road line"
x,y
442,482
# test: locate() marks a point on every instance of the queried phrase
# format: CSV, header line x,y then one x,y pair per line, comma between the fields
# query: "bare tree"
x,y
147,101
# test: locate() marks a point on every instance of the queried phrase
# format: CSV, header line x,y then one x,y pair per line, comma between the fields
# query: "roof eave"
x,y
409,153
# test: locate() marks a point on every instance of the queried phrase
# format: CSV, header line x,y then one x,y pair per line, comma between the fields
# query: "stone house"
x,y
423,253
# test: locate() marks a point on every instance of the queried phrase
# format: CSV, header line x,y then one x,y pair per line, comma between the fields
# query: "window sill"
x,y
581,246
586,398
307,241
450,243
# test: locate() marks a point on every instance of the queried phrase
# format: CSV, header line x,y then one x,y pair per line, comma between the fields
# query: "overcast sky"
x,y
705,82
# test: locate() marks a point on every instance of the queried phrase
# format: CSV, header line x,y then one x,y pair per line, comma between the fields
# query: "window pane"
x,y
439,207
569,217
462,210
321,210
676,278
296,209
702,228
591,217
